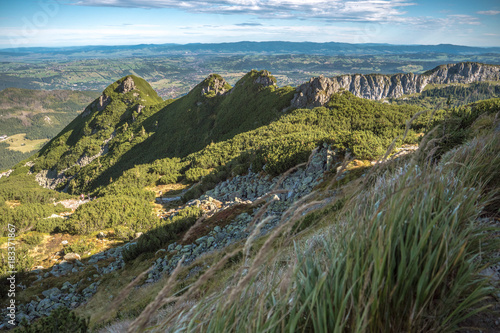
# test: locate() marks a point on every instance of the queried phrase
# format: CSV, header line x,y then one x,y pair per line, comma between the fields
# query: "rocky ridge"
x,y
245,190
265,79
318,91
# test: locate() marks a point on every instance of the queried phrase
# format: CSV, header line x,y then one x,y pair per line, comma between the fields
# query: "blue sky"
x,y
118,22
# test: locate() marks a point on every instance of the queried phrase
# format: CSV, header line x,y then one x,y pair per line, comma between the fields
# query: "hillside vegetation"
x,y
39,114
227,210
155,139
403,255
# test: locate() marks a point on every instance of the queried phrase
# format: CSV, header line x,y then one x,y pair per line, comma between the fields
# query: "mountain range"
x,y
324,206
272,47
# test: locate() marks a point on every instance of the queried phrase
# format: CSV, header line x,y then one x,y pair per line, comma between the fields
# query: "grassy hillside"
x,y
203,130
405,254
349,246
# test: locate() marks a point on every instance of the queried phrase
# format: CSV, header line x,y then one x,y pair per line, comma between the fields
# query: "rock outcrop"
x,y
127,85
318,90
99,105
266,79
51,178
216,84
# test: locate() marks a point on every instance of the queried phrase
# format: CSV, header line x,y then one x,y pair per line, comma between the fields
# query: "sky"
x,y
55,23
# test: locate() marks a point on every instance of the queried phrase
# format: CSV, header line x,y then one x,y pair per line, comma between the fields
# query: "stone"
x,y
66,285
21,316
127,85
200,240
137,235
72,256
50,292
44,303
54,298
101,235
216,84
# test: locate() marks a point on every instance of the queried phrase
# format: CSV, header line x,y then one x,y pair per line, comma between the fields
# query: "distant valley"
x,y
173,70
29,118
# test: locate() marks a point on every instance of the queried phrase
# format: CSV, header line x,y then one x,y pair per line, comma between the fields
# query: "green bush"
x,y
164,234
195,174
123,233
110,211
81,247
33,239
51,225
366,145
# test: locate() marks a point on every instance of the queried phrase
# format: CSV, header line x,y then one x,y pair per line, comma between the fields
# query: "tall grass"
x,y
403,256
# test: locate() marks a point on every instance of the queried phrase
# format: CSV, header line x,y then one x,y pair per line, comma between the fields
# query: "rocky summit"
x,y
318,90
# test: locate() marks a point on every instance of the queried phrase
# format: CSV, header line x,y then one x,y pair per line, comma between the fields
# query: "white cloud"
x,y
330,10
464,19
489,12
16,37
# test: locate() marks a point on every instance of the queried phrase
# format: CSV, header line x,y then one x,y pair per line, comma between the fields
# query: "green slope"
x,y
211,112
39,114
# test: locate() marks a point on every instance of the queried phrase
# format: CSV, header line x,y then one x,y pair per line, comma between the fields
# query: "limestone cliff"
x,y
318,90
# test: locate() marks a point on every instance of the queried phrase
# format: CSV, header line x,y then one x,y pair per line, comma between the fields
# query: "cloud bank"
x,y
329,10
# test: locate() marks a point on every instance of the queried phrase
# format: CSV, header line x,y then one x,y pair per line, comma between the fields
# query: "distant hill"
x,y
245,47
39,114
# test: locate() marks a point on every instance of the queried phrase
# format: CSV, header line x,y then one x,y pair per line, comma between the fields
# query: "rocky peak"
x,y
215,83
99,105
318,91
265,78
127,85
464,72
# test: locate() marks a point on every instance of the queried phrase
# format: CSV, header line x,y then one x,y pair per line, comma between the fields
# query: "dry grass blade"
x,y
343,166
289,171
249,242
189,233
124,293
393,143
253,235
267,195
263,209
260,259
140,323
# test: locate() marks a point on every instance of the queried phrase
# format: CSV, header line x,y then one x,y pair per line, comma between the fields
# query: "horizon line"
x,y
242,41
